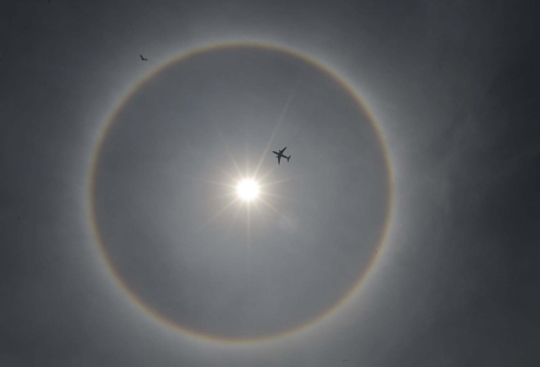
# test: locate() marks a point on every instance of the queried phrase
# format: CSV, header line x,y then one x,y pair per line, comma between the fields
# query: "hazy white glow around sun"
x,y
247,190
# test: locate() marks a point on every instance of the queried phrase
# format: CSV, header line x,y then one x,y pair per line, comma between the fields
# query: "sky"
x,y
402,232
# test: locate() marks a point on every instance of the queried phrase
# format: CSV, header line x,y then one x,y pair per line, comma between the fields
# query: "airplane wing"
x,y
276,153
281,151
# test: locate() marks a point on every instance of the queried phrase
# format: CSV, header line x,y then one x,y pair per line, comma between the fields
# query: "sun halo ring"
x,y
94,163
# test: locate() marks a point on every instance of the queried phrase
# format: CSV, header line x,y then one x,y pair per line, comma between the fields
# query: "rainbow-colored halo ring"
x,y
96,157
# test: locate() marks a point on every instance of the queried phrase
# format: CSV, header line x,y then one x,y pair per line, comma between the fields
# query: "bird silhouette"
x,y
142,58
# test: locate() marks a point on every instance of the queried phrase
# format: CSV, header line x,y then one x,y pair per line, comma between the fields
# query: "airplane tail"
x,y
289,157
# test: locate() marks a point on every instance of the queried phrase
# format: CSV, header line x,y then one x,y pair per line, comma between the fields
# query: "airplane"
x,y
142,58
280,155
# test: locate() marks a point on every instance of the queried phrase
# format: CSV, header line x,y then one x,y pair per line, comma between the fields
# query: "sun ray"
x,y
221,197
281,215
271,207
268,173
278,196
229,154
261,217
278,124
274,183
295,177
248,227
217,183
231,157
248,248
231,177
283,180
233,218
215,216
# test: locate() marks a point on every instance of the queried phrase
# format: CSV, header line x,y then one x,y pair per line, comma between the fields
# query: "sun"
x,y
248,190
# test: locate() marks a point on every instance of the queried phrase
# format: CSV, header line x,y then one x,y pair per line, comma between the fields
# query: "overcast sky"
x,y
443,148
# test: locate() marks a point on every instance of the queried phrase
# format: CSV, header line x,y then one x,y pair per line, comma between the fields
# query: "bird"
x,y
142,58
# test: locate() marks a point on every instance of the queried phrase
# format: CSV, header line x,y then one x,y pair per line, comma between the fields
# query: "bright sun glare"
x,y
247,190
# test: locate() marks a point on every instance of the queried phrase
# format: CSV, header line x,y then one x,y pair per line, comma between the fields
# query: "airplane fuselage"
x,y
280,155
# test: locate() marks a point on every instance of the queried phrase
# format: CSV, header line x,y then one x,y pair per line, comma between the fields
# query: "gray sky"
x,y
451,85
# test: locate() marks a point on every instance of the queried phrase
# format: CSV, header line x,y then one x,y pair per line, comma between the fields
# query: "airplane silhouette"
x,y
142,58
281,155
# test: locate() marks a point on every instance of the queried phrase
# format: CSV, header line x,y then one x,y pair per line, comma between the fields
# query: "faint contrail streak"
x,y
278,124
